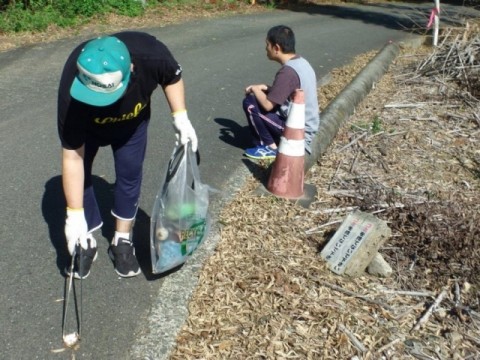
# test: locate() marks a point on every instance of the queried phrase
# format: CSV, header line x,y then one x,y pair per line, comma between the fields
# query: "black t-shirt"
x,y
153,65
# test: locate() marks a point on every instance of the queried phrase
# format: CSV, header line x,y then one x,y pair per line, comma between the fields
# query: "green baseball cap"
x,y
103,72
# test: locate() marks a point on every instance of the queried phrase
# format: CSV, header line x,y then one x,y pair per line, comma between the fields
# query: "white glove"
x,y
184,129
76,229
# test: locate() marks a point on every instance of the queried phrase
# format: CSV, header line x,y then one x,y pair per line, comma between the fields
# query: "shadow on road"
x,y
398,16
233,133
239,136
53,210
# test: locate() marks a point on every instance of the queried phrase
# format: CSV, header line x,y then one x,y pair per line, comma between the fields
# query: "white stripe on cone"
x,y
296,116
291,147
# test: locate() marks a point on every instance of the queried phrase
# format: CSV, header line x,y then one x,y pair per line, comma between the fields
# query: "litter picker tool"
x,y
72,340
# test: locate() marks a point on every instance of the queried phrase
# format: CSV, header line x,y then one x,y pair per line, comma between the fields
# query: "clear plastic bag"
x,y
180,219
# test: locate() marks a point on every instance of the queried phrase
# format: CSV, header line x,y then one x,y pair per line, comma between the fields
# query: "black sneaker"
x,y
123,257
84,259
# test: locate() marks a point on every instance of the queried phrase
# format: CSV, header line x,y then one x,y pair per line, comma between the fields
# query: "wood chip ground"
x,y
410,155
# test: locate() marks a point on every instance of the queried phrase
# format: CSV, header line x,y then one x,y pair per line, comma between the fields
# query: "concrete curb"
x,y
343,106
156,338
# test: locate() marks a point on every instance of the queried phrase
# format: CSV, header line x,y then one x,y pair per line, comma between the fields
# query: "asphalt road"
x,y
137,318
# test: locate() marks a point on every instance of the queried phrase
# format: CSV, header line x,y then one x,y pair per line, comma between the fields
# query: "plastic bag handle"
x,y
174,162
176,158
194,165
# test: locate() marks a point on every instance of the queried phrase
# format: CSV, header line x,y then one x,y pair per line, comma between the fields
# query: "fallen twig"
x,y
409,293
430,311
312,231
346,193
358,296
336,210
352,166
411,105
397,133
390,344
471,338
420,355
352,142
371,157
352,338
477,119
458,300
334,175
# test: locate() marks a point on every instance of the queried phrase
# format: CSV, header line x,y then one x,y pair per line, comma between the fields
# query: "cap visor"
x,y
83,94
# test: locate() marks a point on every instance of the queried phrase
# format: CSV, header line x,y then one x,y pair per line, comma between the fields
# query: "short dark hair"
x,y
282,36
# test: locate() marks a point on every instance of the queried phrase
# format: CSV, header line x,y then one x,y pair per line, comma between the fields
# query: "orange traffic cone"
x,y
287,175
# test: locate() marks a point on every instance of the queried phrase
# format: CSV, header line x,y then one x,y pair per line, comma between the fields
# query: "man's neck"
x,y
283,58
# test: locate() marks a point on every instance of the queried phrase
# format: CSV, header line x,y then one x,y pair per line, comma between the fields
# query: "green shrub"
x,y
37,15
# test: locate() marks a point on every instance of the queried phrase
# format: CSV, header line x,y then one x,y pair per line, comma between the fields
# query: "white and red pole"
x,y
435,20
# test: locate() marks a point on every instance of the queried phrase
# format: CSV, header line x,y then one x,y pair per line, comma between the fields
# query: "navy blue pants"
x,y
128,158
266,127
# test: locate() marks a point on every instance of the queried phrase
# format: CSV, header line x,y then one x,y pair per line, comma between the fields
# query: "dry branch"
x,y
430,311
476,340
389,345
409,293
358,296
352,338
456,60
353,142
312,231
